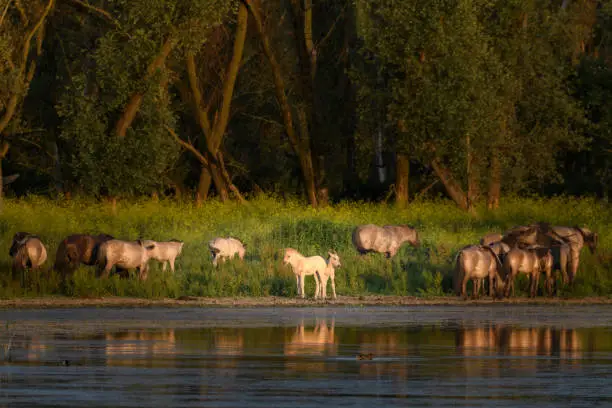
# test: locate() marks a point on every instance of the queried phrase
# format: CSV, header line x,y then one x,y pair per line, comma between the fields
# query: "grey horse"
x,y
531,261
27,251
545,235
387,239
477,262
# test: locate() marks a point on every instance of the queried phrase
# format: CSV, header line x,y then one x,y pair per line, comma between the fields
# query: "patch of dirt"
x,y
271,301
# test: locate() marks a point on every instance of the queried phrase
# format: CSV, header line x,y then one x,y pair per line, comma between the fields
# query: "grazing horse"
x,y
78,249
330,273
27,251
124,254
387,239
477,262
226,248
303,266
165,252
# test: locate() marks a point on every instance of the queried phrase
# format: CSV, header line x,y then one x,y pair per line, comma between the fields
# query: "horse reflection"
x,y
138,347
317,341
35,349
513,341
516,342
229,343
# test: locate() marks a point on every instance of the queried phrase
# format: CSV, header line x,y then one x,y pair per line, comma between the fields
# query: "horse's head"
x,y
334,259
19,239
591,239
290,255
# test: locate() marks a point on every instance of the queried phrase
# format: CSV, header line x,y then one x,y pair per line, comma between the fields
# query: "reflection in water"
x,y
138,347
319,340
312,361
513,341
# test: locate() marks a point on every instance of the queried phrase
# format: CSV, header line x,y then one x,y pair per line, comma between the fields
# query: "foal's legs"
x,y
302,276
333,285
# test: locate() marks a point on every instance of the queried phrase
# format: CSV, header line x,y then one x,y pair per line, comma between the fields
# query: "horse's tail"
x,y
459,273
497,260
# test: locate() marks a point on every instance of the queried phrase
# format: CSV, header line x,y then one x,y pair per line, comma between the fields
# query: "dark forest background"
x,y
328,99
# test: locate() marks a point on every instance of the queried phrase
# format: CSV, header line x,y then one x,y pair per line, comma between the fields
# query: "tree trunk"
x,y
402,172
473,176
3,151
453,189
203,186
301,148
494,183
215,133
217,178
113,203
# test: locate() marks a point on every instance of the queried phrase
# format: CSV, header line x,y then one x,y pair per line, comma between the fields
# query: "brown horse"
x,y
78,249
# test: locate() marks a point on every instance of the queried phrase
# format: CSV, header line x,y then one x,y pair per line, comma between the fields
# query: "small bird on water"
x,y
368,356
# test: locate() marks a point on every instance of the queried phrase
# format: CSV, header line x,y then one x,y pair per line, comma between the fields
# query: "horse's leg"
x,y
317,278
575,261
534,283
509,283
144,272
549,284
171,261
324,286
164,266
333,285
464,287
475,288
297,282
302,278
491,284
107,269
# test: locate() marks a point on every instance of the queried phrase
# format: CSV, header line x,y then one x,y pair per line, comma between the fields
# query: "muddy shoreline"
x,y
374,300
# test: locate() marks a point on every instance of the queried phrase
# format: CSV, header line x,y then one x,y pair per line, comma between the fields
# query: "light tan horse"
x,y
531,261
477,263
165,252
222,249
303,266
330,273
27,251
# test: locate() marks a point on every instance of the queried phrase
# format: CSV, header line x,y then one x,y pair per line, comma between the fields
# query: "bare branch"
x,y
8,3
187,146
4,149
98,10
228,179
321,43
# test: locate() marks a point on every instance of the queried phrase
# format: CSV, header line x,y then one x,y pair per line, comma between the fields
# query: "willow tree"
x,y
119,106
477,91
22,31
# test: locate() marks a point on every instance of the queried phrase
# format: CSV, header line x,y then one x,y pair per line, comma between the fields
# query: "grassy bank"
x,y
267,226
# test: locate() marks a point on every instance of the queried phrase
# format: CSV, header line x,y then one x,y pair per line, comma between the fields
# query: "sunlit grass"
x,y
268,225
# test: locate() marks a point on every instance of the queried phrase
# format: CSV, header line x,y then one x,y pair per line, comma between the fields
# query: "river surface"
x,y
536,356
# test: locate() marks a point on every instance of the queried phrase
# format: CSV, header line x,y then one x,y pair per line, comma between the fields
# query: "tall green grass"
x,y
267,225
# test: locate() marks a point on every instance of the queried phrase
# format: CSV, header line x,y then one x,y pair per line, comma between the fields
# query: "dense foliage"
x,y
118,98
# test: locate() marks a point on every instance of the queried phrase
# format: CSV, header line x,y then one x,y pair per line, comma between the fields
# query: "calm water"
x,y
540,356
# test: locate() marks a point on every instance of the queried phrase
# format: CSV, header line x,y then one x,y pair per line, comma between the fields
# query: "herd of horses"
x,y
532,249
